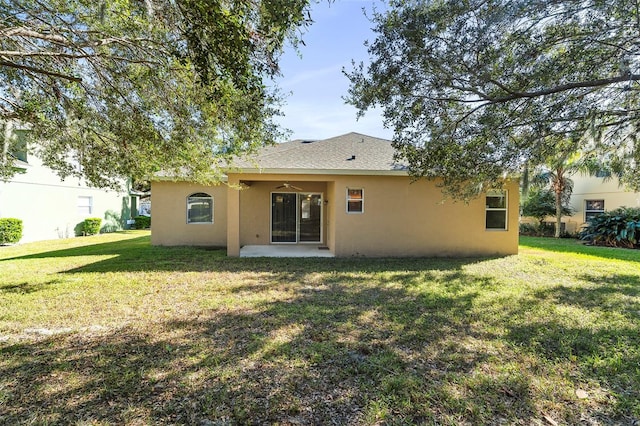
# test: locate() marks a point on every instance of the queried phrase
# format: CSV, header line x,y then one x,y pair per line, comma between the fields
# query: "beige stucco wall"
x,y
413,219
169,225
400,218
330,216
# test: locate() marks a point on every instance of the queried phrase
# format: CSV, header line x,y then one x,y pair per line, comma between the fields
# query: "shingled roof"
x,y
352,152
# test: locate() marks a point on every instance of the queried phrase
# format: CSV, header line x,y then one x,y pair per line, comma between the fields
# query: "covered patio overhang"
x,y
279,215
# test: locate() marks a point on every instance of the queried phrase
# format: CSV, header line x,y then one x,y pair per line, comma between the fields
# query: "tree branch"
x,y
25,32
16,53
6,53
40,71
563,88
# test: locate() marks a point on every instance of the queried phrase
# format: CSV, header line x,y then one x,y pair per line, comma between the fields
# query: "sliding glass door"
x,y
296,217
283,217
309,218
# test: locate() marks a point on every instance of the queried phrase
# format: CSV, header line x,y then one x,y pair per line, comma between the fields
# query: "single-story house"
x,y
345,194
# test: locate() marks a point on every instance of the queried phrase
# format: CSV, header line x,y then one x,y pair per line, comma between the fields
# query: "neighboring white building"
x,y
593,195
52,208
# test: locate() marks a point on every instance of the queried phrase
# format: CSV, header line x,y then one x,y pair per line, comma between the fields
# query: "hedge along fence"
x,y
616,228
10,230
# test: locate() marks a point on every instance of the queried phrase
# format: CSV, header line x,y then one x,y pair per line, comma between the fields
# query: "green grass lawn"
x,y
109,330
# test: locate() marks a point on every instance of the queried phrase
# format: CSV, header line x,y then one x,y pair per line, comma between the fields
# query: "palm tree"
x,y
557,178
557,171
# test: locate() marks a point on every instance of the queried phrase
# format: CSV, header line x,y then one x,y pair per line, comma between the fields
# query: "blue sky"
x,y
313,80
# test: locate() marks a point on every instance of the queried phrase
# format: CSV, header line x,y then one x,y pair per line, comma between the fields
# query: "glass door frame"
x,y
299,196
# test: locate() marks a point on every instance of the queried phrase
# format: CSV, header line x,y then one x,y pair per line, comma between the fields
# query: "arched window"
x,y
199,208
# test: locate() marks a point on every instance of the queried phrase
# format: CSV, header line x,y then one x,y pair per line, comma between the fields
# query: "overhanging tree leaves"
x,y
474,89
119,88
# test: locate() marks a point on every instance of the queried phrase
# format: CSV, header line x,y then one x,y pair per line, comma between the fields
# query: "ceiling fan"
x,y
287,185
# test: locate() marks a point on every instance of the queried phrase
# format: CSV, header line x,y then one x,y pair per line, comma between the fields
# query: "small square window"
x,y
592,209
355,200
85,205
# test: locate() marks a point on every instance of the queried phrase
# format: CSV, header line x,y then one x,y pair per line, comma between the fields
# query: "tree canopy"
x,y
120,88
475,89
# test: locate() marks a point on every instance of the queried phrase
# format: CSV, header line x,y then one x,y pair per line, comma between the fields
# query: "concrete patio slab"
x,y
299,250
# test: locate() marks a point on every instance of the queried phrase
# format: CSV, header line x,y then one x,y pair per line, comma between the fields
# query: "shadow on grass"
x,y
136,255
615,292
569,245
606,358
28,287
618,282
125,246
603,346
339,355
375,352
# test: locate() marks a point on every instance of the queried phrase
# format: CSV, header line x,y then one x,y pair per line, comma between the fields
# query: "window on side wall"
x,y
20,148
592,209
199,208
496,210
85,205
355,200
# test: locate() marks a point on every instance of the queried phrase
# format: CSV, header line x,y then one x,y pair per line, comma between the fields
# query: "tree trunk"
x,y
558,213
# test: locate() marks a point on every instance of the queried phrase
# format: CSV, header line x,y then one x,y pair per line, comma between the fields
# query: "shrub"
x,y
528,229
616,228
10,230
546,229
142,222
112,222
91,225
541,204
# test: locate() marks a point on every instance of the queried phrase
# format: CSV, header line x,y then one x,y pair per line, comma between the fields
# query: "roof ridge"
x,y
359,134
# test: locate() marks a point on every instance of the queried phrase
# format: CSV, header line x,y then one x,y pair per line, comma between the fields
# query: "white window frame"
x,y
199,195
361,200
505,209
82,206
597,212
